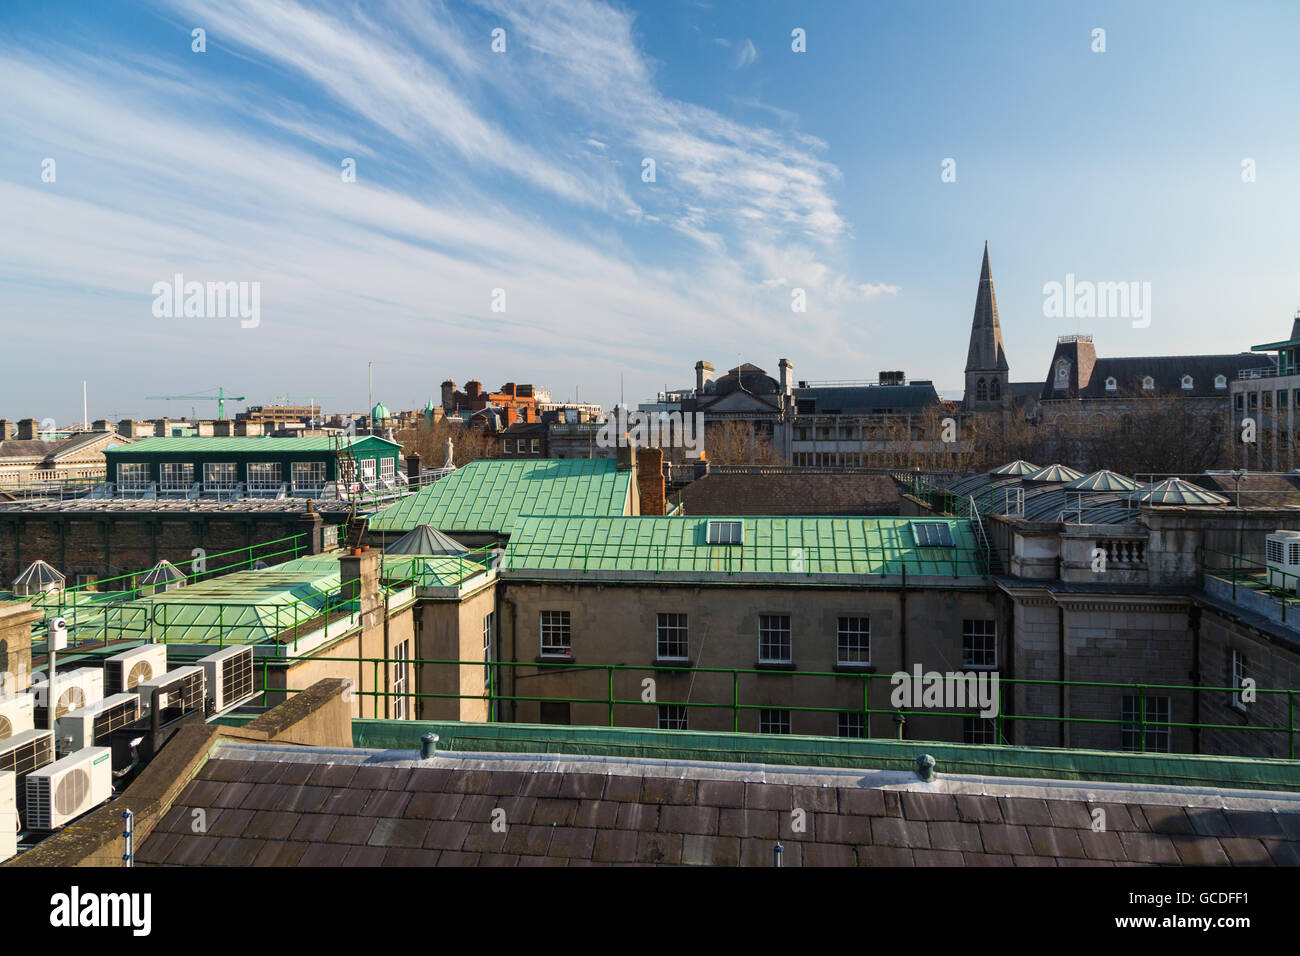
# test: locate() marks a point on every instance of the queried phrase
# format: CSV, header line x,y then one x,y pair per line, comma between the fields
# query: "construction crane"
x,y
220,398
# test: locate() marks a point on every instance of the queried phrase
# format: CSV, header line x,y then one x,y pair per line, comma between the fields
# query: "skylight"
x,y
726,532
932,534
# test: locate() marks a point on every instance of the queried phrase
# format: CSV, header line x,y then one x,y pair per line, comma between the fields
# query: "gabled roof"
x,y
488,496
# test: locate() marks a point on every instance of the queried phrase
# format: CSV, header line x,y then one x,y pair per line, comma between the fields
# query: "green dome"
x,y
379,412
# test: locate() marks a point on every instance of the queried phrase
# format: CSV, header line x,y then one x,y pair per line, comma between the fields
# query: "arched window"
x,y
1148,382
995,390
1220,381
981,391
1187,383
1111,384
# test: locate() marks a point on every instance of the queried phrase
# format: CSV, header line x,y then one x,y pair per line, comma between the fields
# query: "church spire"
x,y
985,352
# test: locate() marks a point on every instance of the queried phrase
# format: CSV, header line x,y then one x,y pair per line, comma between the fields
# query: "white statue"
x,y
450,462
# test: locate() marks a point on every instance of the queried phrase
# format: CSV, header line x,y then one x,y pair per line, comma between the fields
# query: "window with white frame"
x,y
489,622
849,723
368,471
387,470
264,476
536,446
1187,383
979,643
774,721
220,476
725,532
672,716
1240,671
1148,382
978,730
1111,384
401,669
556,634
176,476
133,476
671,637
308,476
1220,381
853,641
507,446
774,638
1131,735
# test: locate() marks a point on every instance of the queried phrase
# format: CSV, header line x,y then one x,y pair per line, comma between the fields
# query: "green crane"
x,y
219,398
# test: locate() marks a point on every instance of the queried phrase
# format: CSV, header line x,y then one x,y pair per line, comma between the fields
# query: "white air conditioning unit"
x,y
25,752
1282,551
17,713
67,788
229,675
8,815
90,726
123,671
181,688
73,690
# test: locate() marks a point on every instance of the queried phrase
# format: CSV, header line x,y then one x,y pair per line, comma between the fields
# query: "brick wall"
x,y
650,479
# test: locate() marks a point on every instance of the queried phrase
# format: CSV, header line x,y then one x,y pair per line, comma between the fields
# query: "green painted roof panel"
x,y
489,495
192,445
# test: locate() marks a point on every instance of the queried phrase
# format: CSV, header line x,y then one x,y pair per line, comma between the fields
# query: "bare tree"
x,y
430,443
737,443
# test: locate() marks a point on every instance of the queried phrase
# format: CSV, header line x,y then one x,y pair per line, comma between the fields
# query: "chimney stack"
x,y
6,429
787,376
27,429
359,581
703,375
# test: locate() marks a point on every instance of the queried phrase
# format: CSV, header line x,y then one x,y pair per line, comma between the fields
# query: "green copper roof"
x,y
1017,467
274,446
380,411
246,607
489,495
1104,480
769,545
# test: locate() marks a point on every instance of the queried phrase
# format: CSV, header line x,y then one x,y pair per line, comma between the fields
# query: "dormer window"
x,y
1220,381
1148,382
1111,384
1187,383
1062,374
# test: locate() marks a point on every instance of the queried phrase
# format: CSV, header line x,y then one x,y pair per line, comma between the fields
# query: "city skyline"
x,y
524,171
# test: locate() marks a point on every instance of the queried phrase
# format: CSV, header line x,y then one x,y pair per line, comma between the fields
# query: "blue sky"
x,y
522,171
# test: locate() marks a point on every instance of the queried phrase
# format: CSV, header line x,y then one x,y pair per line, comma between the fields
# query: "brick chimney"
x,y
448,396
223,429
359,577
204,429
27,429
650,480
6,429
473,389
247,429
101,425
162,427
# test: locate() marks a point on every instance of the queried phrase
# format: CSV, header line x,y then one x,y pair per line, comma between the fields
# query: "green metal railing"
x,y
1145,731
1255,575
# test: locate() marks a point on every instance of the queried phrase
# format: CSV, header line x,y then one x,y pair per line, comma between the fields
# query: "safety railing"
x,y
1248,573
1145,731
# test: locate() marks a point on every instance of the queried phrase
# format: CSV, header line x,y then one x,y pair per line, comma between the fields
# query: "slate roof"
x,y
489,495
1088,374
279,806
986,352
807,494
865,399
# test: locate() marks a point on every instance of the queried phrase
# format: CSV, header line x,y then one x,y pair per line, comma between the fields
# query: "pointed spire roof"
x,y
425,540
986,352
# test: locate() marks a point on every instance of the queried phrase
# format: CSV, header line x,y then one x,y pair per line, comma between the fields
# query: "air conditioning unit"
x,y
181,689
1282,551
123,671
67,788
23,753
73,690
90,726
17,713
8,815
229,675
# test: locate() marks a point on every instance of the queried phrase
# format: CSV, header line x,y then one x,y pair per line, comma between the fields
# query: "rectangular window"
x,y
774,638
979,643
264,476
978,730
368,472
848,724
401,655
1240,671
308,477
1281,399
507,445
520,445
133,476
726,532
670,637
932,534
387,470
672,717
177,476
774,721
220,476
1237,400
853,641
1131,736
536,446
555,633
488,623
